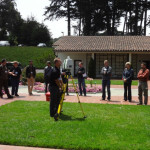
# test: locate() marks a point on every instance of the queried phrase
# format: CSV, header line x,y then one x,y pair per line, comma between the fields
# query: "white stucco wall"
x,y
73,56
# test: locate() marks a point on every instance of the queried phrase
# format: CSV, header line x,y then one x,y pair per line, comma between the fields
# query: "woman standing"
x,y
128,75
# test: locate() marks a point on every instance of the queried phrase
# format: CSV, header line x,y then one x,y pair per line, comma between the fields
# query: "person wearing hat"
x,y
4,79
15,78
128,75
30,75
47,72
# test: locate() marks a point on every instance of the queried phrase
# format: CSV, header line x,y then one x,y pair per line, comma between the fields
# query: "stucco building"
x,y
117,49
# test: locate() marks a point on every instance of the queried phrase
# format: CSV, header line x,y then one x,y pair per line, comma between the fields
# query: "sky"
x,y
36,8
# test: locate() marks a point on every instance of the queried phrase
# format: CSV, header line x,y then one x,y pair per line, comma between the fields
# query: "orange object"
x,y
48,96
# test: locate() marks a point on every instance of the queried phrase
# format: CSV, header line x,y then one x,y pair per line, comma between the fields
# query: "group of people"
x,y
127,77
56,78
15,75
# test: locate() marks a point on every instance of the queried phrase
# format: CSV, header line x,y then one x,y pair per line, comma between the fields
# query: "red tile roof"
x,y
103,44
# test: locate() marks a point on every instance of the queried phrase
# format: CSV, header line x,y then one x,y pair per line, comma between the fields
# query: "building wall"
x,y
116,61
137,59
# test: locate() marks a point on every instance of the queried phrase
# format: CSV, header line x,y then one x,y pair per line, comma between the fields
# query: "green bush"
x,y
92,68
39,77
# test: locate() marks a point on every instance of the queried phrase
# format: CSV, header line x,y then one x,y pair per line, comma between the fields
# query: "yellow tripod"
x,y
56,117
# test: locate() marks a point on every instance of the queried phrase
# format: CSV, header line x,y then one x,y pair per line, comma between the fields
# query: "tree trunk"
x,y
69,20
145,21
125,22
114,14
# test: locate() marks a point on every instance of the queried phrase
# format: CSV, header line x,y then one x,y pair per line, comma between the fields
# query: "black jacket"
x,y
128,75
30,71
3,73
80,75
16,71
47,73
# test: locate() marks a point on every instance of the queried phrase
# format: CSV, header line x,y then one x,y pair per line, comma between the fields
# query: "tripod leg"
x,y
78,97
61,102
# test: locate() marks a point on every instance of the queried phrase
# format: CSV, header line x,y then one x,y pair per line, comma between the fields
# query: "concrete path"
x,y
116,98
7,147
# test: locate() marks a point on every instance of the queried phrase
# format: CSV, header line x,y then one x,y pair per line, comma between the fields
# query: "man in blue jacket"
x,y
106,75
127,78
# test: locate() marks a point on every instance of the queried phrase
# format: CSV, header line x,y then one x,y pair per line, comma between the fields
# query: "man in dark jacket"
x,y
15,78
4,79
47,72
30,75
56,86
81,78
106,75
127,78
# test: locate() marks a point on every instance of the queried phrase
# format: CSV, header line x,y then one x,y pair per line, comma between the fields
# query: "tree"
x,y
92,68
33,33
10,19
61,9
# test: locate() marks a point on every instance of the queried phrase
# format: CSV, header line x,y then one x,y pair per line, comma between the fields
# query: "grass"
x,y
113,82
107,127
24,54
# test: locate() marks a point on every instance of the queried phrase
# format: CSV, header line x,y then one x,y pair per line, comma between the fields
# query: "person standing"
x,y
47,72
65,79
81,78
4,79
128,75
15,78
30,75
143,77
106,75
56,86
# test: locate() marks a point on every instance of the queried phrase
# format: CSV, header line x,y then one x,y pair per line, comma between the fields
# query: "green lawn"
x,y
24,54
113,82
107,127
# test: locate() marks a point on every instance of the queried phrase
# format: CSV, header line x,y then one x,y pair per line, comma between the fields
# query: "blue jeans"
x,y
15,86
81,83
106,83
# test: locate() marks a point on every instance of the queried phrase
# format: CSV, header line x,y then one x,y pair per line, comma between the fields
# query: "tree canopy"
x,y
20,31
95,17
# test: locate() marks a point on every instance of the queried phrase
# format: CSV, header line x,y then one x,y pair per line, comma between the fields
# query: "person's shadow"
x,y
65,117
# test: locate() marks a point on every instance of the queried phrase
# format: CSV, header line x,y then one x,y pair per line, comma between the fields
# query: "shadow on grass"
x,y
65,117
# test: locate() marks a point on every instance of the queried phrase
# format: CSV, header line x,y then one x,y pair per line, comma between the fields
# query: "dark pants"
x,y
127,91
81,83
15,86
4,83
106,83
55,97
46,87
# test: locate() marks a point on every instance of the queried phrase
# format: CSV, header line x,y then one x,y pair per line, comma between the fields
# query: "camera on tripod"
x,y
68,66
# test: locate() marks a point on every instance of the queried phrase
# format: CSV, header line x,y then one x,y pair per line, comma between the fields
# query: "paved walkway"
x,y
7,147
116,98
